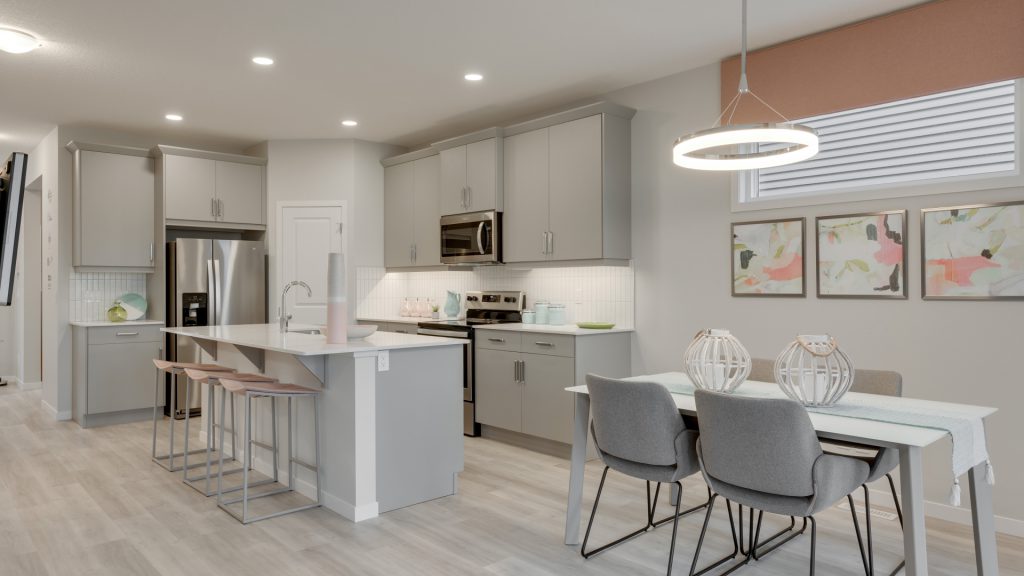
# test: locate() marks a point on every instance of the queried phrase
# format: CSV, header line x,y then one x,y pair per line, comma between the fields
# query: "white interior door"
x,y
308,234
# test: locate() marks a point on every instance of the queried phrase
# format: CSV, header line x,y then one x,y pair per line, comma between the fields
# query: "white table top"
x,y
269,337
569,329
839,427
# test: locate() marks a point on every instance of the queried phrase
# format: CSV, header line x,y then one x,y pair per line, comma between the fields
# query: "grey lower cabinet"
x,y
114,192
113,375
521,377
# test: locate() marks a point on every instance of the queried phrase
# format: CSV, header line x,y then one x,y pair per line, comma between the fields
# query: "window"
x,y
966,134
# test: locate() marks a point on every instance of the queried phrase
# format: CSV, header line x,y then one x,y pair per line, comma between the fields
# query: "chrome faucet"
x,y
283,318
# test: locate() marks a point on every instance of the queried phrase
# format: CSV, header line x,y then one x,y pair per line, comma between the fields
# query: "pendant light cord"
x,y
744,88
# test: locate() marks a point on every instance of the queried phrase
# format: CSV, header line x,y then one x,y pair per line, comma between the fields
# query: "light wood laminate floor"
x,y
76,501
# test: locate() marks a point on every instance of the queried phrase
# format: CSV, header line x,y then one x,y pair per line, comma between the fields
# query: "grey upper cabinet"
x,y
525,222
571,177
114,191
239,189
190,186
471,178
211,190
412,229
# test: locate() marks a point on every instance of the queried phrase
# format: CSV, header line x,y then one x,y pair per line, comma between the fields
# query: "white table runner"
x,y
966,433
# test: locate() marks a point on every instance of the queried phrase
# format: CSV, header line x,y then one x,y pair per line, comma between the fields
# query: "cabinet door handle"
x,y
545,344
152,253
401,331
213,207
515,371
220,209
551,242
415,252
544,239
127,333
498,340
469,197
522,371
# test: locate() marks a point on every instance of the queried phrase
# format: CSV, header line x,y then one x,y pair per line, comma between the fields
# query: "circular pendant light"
x,y
745,146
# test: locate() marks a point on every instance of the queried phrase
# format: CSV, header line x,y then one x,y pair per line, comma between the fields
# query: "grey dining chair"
x,y
881,461
764,454
638,431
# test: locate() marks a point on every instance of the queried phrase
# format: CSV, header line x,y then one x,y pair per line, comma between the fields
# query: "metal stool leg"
x,y
156,407
247,455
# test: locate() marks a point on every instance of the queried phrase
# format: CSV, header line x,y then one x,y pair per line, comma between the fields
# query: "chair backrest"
x,y
762,370
884,382
635,421
762,444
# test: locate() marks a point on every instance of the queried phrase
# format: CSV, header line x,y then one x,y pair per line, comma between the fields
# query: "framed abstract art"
x,y
862,255
973,252
768,258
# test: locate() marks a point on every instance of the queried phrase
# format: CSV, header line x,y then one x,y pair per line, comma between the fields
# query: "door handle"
x,y
152,253
544,239
545,344
211,292
498,340
551,242
480,237
213,207
415,252
522,371
220,209
217,294
469,197
127,333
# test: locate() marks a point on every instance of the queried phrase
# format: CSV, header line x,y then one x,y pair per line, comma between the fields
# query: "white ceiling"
x,y
394,65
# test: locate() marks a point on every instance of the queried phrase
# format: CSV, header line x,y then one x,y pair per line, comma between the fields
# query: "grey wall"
x,y
333,170
951,351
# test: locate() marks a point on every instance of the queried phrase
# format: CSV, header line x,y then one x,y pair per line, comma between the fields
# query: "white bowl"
x,y
355,332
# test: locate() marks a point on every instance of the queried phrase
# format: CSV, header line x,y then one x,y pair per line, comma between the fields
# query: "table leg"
x,y
912,488
576,468
984,522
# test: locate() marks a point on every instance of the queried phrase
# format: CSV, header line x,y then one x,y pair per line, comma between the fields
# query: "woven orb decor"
x,y
716,360
814,371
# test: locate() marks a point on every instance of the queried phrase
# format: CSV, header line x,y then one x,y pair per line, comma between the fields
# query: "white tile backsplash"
x,y
93,292
593,293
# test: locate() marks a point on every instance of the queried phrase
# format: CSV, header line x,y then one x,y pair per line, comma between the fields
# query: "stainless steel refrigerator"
x,y
211,283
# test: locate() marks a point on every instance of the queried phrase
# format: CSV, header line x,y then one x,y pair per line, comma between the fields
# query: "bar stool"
x,y
212,380
174,369
272,390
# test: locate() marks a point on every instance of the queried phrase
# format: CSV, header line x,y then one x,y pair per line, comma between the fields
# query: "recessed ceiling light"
x,y
349,123
174,117
262,60
474,77
17,42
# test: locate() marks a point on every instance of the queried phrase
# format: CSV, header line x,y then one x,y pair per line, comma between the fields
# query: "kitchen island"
x,y
390,414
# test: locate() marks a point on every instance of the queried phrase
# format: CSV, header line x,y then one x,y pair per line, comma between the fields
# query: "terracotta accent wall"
x,y
934,47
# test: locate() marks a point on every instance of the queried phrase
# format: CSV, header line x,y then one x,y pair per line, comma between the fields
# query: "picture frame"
x,y
964,252
769,258
863,255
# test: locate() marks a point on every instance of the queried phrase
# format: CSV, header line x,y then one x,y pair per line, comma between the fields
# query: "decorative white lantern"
x,y
814,371
716,360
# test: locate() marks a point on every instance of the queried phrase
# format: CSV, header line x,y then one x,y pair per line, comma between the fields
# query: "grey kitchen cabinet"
x,y
212,190
521,377
114,191
471,178
239,189
567,188
499,394
412,229
113,374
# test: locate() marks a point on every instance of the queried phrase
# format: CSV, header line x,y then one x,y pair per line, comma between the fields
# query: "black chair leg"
x,y
814,541
856,529
700,543
593,513
867,523
675,526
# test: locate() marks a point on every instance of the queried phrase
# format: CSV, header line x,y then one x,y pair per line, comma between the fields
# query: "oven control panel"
x,y
496,300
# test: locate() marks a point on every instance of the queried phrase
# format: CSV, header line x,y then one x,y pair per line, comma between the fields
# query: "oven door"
x,y
473,238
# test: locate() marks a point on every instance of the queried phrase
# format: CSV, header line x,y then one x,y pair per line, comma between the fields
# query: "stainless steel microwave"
x,y
473,238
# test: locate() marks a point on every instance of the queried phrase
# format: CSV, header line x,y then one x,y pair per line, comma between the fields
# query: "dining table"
x,y
909,440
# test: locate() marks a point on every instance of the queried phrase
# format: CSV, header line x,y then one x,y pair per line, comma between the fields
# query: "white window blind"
x,y
968,132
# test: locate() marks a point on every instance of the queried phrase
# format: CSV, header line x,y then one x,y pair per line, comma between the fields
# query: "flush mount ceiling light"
x,y
349,123
174,117
17,42
739,146
474,77
263,61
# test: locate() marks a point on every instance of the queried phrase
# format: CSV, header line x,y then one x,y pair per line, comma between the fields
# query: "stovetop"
x,y
494,307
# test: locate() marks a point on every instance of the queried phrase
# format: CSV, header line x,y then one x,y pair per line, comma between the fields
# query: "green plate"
x,y
134,305
596,325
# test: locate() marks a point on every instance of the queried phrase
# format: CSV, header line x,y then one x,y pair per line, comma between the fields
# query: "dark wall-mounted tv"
x,y
12,197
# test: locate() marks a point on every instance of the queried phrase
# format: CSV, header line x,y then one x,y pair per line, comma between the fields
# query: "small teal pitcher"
x,y
452,305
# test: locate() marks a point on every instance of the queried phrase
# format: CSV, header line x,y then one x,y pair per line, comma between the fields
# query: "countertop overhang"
x,y
269,337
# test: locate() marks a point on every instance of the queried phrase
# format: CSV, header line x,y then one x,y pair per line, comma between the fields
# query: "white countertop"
x,y
269,337
394,319
106,323
569,329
